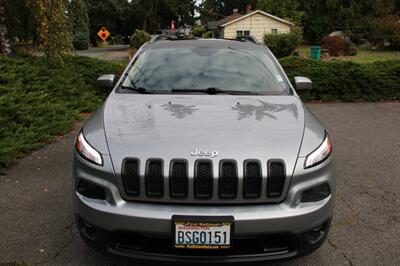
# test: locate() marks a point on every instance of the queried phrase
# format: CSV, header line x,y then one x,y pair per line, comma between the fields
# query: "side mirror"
x,y
105,81
302,83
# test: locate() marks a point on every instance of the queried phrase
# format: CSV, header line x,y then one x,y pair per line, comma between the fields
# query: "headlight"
x,y
320,154
87,151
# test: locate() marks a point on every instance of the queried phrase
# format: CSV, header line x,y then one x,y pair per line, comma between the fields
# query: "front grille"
x,y
154,178
204,181
131,177
178,179
228,180
276,179
252,179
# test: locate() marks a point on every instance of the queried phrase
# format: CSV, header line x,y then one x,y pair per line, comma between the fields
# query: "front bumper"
x,y
143,230
257,235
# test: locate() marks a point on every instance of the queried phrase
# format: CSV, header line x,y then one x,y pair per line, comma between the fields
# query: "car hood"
x,y
172,126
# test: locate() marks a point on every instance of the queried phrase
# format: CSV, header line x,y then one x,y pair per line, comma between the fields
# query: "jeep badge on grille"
x,y
206,153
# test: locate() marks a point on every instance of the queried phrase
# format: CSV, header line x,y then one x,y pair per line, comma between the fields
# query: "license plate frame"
x,y
210,221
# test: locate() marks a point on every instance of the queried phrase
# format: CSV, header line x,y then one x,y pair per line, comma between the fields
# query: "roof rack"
x,y
161,37
247,39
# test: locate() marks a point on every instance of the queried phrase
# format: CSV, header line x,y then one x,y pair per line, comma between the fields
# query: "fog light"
x,y
90,190
87,229
316,193
316,234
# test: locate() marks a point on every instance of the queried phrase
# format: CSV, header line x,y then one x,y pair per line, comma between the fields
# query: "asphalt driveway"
x,y
37,223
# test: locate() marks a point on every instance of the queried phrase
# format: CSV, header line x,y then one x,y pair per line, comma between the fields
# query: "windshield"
x,y
168,70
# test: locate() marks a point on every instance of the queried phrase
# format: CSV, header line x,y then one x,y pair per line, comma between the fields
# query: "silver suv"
x,y
203,152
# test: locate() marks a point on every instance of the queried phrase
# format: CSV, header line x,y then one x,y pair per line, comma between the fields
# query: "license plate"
x,y
202,232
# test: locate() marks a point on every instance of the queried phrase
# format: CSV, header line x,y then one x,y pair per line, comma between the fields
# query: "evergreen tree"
x,y
54,35
79,19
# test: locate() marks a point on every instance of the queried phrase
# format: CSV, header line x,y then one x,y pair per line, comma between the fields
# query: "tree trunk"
x,y
146,15
4,39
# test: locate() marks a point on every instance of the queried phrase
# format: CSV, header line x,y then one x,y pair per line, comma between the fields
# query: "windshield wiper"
x,y
136,89
213,90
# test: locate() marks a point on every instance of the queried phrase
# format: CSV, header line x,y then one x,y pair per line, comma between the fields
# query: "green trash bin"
x,y
316,52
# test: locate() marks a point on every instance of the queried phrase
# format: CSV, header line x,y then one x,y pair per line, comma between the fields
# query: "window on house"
x,y
240,33
274,31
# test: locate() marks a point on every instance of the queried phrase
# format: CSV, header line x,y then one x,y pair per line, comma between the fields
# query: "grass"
x,y
365,55
40,99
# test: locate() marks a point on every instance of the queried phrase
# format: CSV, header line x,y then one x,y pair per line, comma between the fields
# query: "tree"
x,y
4,38
79,19
211,10
118,16
20,23
288,9
55,37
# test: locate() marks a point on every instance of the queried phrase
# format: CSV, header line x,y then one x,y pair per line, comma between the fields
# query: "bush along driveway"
x,y
40,98
347,81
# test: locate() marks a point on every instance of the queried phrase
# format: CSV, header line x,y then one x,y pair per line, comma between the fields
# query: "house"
x,y
256,23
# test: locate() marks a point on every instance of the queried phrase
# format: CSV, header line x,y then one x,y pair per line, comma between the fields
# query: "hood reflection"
x,y
179,110
263,110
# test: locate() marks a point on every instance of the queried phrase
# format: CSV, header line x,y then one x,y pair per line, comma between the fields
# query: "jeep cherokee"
x,y
203,152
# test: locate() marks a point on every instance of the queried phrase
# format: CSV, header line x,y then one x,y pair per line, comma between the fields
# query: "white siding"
x,y
257,24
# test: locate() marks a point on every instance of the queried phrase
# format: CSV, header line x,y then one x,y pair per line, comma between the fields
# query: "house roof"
x,y
253,13
218,23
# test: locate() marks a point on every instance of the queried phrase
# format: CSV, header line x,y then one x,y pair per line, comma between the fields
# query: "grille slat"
x,y
154,178
228,179
131,177
178,179
252,179
203,179
276,178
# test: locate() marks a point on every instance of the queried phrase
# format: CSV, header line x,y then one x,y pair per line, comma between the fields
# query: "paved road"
x,y
112,53
37,224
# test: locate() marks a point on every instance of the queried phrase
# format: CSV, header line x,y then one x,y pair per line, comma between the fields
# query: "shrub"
x,y
198,31
139,38
81,45
347,81
40,98
282,45
81,41
208,34
335,45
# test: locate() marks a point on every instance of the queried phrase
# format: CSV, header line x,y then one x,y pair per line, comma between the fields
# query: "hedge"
x,y
347,81
40,98
284,44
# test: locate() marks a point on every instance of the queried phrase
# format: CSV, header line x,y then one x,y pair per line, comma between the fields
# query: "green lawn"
x,y
365,55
